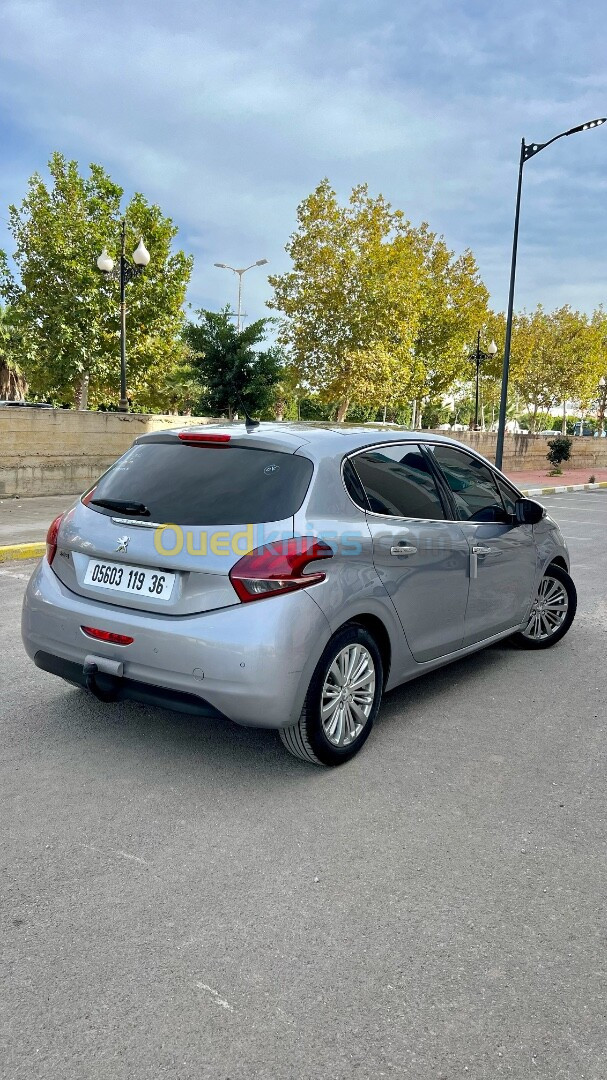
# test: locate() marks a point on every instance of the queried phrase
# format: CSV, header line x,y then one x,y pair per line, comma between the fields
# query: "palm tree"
x,y
13,386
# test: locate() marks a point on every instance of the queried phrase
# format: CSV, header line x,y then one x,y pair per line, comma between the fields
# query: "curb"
x,y
567,487
22,551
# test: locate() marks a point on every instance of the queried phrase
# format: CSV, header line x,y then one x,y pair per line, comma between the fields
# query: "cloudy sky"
x,y
228,113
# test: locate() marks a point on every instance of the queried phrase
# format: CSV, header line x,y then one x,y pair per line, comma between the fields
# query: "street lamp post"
x,y
124,273
528,150
240,271
477,358
602,404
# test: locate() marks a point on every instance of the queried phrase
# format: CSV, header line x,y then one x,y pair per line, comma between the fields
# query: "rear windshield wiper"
x,y
123,506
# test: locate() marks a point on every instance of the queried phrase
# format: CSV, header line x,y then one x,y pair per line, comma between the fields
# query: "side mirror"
x,y
529,512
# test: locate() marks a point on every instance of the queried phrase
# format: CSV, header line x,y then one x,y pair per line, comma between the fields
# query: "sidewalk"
x,y
540,481
24,522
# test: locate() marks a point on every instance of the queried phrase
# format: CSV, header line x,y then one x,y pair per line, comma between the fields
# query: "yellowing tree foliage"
x,y
376,311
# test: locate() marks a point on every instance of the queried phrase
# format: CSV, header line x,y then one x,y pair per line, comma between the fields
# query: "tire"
x,y
550,623
350,656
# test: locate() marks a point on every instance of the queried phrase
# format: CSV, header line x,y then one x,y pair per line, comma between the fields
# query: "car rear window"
x,y
205,485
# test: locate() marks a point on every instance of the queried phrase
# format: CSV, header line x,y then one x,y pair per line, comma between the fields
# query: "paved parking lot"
x,y
184,900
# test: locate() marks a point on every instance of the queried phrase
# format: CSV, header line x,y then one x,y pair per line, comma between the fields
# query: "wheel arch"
x,y
559,561
374,626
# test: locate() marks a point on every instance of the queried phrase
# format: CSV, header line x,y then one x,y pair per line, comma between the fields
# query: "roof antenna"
x,y
250,423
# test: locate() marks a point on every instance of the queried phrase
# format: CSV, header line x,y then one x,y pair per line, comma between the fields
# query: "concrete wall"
x,y
61,452
528,452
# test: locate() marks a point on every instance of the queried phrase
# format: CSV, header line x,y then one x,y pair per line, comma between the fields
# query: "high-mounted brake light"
x,y
278,568
51,538
107,636
203,437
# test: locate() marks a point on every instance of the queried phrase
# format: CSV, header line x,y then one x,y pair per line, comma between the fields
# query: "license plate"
x,y
135,580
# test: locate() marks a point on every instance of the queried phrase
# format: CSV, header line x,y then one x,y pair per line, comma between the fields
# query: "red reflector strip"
x,y
203,437
106,635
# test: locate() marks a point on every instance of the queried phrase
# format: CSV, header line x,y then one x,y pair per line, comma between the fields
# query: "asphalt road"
x,y
184,900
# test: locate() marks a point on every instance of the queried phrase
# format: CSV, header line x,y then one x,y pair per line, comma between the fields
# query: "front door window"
x,y
475,492
503,556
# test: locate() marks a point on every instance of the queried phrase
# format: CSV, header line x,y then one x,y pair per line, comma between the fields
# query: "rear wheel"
x,y
342,700
552,611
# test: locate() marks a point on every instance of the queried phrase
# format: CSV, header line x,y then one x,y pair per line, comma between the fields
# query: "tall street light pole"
x,y
240,271
124,273
477,358
528,150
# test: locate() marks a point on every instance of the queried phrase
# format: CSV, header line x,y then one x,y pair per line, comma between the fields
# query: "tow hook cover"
x,y
108,667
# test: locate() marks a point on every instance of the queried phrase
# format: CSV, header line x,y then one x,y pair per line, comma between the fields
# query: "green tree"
x,y
230,372
598,363
553,361
573,371
560,450
66,311
453,308
534,356
352,298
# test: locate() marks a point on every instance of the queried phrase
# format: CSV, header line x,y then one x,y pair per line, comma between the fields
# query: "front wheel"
x,y
552,611
342,700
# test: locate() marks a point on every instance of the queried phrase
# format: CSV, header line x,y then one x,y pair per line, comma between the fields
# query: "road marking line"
x,y
216,998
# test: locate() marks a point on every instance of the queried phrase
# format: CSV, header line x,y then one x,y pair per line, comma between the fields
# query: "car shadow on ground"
x,y
436,687
130,736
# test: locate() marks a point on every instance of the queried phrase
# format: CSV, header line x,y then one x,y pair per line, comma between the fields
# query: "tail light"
x,y
88,495
107,635
278,568
51,538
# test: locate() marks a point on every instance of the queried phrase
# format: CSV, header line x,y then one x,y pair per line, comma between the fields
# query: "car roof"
x,y
319,438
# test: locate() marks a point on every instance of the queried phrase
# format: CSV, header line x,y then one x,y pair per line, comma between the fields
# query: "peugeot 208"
x,y
286,575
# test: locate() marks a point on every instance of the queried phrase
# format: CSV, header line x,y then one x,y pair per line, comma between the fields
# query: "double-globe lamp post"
x,y
240,271
527,151
477,358
124,273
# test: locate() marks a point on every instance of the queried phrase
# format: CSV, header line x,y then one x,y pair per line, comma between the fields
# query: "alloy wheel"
x,y
549,610
347,695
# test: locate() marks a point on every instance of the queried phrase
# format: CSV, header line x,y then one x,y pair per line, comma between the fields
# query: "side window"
x,y
509,495
354,487
472,484
398,482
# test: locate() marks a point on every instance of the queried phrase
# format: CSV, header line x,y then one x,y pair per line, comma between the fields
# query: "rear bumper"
x,y
121,689
251,663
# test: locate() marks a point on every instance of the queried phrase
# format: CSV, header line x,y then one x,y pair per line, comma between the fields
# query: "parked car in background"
x,y
285,575
25,405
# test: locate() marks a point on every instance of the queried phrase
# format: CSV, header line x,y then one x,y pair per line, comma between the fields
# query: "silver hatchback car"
x,y
285,575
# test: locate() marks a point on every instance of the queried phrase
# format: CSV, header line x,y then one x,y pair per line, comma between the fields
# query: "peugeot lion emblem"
x,y
123,543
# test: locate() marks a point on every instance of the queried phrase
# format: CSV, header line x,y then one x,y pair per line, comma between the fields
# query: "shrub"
x,y
560,450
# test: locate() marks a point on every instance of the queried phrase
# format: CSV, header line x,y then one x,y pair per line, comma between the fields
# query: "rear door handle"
x,y
403,549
